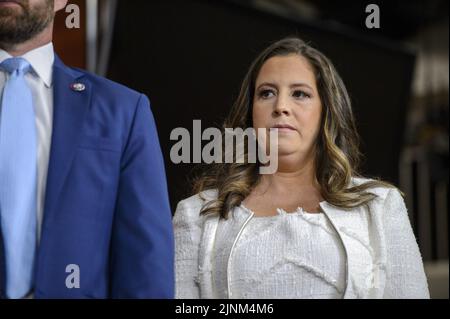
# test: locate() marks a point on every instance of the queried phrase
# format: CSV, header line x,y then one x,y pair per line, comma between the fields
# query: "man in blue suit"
x,y
83,197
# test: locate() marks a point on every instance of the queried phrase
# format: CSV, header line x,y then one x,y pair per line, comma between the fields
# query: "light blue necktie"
x,y
18,178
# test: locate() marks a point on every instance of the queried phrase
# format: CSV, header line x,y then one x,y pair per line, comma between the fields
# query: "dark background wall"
x,y
70,44
189,57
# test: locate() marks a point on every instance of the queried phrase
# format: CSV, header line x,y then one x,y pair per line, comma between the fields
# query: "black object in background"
x,y
190,57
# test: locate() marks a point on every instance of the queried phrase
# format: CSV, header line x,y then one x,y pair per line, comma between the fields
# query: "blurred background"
x,y
190,56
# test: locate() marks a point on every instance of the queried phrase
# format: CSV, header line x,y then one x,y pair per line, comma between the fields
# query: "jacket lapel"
x,y
333,215
206,254
228,234
69,110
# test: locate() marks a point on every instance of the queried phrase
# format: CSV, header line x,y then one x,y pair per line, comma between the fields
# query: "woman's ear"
x,y
60,4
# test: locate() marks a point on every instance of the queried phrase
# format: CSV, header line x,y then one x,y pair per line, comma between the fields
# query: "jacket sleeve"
x,y
405,275
142,244
187,242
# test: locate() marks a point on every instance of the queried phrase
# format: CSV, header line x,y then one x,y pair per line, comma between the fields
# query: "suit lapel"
x,y
69,110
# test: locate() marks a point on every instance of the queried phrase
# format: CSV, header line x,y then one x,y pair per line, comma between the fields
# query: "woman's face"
x,y
286,99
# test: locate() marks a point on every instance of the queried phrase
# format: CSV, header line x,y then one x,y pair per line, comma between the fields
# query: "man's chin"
x,y
10,16
8,31
18,23
8,22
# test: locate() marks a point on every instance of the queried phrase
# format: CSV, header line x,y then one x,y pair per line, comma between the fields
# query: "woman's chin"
x,y
286,150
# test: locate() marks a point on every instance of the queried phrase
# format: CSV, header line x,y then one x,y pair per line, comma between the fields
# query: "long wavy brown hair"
x,y
337,155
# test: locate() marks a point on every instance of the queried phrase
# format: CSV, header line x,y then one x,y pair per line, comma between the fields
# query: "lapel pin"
x,y
78,87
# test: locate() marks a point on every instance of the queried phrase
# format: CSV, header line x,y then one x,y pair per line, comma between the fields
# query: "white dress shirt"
x,y
40,83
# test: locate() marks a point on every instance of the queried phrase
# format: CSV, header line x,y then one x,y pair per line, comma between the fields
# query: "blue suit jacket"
x,y
106,206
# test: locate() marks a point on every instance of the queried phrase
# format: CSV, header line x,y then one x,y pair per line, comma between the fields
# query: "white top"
x,y
291,255
382,258
40,82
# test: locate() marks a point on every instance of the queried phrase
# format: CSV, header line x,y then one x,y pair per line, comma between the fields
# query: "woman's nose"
x,y
281,107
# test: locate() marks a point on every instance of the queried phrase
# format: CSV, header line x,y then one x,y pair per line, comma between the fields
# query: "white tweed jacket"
x,y
394,269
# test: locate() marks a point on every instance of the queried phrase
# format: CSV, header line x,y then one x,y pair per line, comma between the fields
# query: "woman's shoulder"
x,y
189,208
389,199
198,200
382,191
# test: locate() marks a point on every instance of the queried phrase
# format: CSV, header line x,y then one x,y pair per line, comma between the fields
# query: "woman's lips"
x,y
283,128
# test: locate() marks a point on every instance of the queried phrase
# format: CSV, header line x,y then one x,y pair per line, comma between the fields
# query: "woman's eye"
x,y
265,94
300,94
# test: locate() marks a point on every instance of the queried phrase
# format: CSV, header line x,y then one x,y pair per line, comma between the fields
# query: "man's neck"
x,y
37,41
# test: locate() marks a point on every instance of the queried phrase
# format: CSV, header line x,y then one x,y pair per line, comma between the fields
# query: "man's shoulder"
x,y
102,85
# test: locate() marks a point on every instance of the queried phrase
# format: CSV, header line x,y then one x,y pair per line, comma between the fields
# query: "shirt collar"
x,y
41,60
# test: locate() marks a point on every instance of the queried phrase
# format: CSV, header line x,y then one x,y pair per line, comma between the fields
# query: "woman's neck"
x,y
293,185
292,172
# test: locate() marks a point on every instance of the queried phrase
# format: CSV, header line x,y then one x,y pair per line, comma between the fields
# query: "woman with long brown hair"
x,y
313,229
